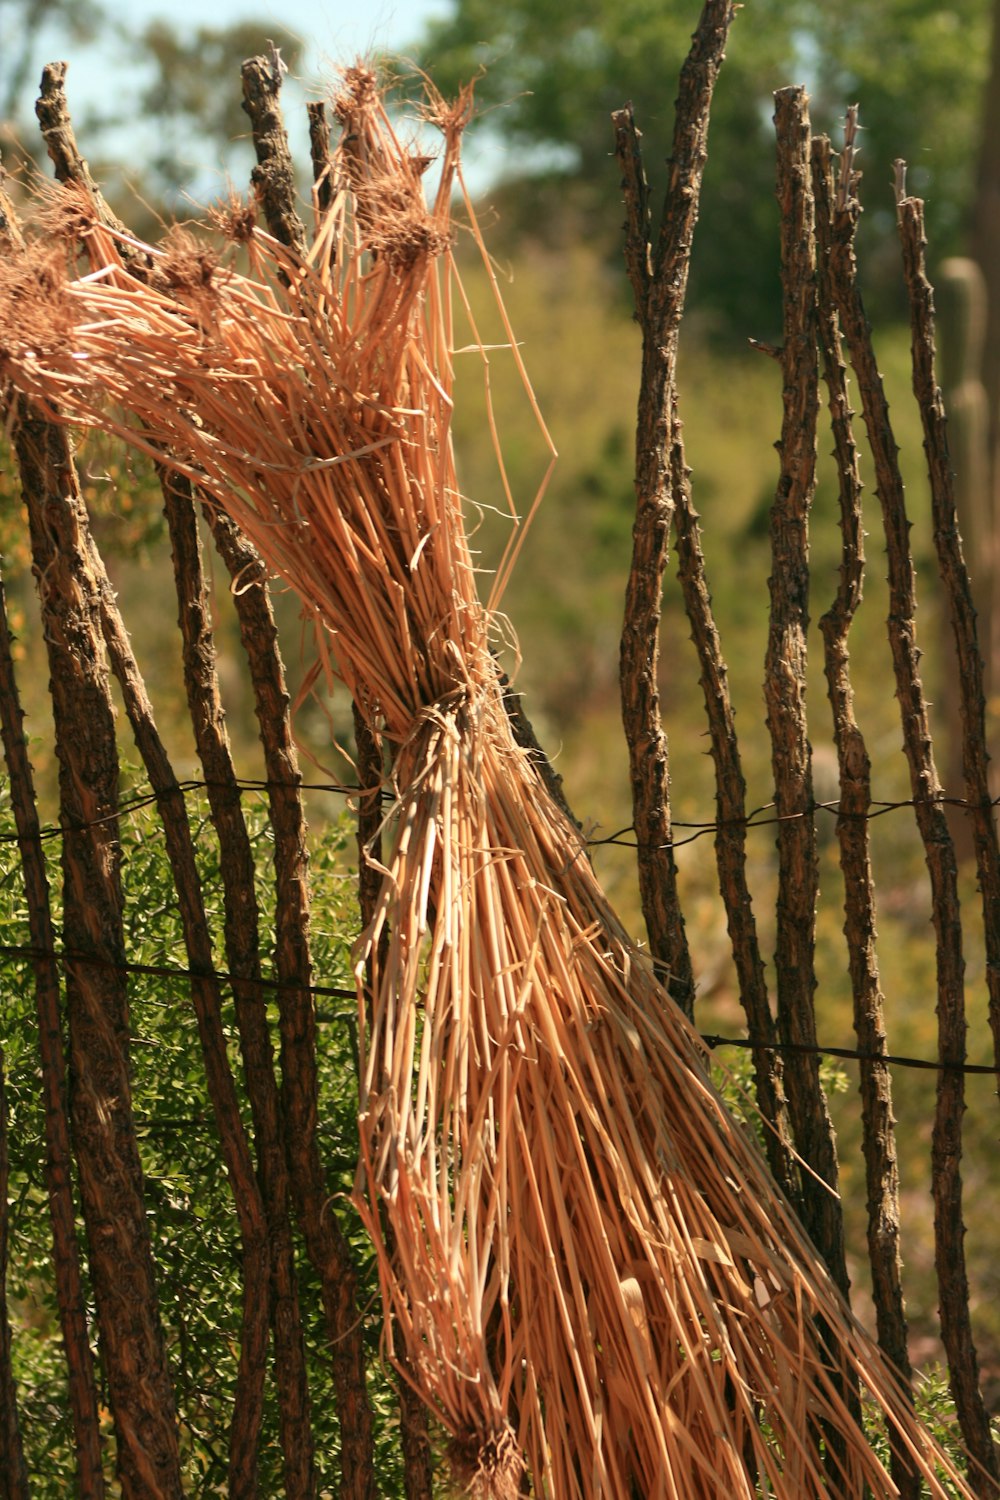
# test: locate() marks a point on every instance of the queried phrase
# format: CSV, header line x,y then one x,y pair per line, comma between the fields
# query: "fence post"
x,y
659,282
926,790
104,1139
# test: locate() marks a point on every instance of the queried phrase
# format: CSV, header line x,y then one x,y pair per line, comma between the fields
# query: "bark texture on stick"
x,y
730,839
320,154
70,1300
946,1146
121,1264
56,126
730,784
975,767
13,1473
785,688
273,177
267,1244
242,939
58,1151
958,591
854,765
326,1241
659,283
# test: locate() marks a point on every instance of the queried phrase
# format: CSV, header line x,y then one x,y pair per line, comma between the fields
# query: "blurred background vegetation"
x,y
548,76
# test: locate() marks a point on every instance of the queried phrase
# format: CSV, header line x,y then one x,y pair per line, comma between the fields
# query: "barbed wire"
x,y
851,1054
67,957
136,801
755,819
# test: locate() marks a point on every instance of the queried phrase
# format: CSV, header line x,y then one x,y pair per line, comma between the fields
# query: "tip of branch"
x,y
848,177
53,76
774,351
899,180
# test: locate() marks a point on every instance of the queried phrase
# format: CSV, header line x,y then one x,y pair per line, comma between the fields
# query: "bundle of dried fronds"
x,y
593,1272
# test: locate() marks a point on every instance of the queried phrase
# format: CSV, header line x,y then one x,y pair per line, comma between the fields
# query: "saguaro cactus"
x,y
962,296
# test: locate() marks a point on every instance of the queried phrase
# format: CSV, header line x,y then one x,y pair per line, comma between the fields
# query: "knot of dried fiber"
x,y
584,1243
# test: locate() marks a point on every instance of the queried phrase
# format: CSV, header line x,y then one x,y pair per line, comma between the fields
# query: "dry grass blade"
x,y
594,1274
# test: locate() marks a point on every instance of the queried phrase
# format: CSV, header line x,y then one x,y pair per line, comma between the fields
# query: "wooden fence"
x,y
295,1241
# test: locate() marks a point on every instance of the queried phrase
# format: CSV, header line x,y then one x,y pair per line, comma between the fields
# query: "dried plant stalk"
x,y
971,676
785,689
946,1142
593,1275
81,1382
854,765
658,310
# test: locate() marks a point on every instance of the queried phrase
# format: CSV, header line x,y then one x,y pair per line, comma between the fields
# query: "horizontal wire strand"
x,y
711,1040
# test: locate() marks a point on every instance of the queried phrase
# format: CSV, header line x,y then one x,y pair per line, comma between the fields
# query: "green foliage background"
x,y
195,1233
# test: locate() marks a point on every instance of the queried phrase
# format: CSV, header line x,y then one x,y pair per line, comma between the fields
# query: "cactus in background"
x,y
962,299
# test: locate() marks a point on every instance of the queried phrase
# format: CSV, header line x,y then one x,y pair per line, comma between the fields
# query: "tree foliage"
x,y
551,75
173,102
23,23
195,1235
190,87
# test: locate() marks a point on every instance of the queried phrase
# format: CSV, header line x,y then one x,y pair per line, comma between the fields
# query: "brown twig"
x,y
58,1153
56,127
319,151
730,786
946,1145
206,996
659,283
121,1264
878,1121
785,686
975,766
242,939
731,826
13,1471
273,178
955,575
271,1240
70,1299
326,1241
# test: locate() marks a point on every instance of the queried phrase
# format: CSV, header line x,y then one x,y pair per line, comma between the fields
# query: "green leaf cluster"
x,y
189,1203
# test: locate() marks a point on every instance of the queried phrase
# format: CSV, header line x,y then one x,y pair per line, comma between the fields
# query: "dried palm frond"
x,y
594,1275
